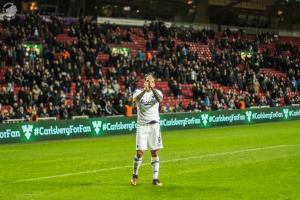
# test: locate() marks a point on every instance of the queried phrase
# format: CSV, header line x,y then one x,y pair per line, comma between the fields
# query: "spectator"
x,y
294,84
69,80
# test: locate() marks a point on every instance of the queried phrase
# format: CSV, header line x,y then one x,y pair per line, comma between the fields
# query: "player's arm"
x,y
157,96
137,98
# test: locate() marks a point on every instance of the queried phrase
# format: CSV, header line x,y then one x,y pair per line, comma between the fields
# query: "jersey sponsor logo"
x,y
151,101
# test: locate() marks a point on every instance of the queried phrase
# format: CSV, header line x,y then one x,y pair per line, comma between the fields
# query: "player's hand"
x,y
146,85
151,84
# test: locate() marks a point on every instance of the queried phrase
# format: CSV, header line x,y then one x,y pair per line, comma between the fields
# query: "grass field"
x,y
259,161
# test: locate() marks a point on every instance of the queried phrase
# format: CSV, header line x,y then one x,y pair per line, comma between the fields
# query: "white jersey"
x,y
147,107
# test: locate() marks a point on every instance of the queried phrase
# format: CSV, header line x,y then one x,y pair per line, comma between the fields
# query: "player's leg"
x,y
141,145
155,143
155,167
137,161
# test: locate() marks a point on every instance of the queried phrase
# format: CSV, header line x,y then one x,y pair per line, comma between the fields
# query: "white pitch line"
x,y
165,161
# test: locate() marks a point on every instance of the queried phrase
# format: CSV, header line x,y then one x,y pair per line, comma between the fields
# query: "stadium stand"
x,y
77,74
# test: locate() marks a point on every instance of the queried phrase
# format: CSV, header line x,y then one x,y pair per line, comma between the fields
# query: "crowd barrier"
x,y
94,127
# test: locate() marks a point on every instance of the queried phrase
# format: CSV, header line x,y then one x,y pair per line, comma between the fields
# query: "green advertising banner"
x,y
120,50
93,127
245,54
38,48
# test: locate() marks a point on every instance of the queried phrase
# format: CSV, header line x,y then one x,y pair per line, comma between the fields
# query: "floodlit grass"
x,y
258,161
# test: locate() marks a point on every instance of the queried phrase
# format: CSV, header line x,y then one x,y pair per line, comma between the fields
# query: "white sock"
x,y
136,165
155,166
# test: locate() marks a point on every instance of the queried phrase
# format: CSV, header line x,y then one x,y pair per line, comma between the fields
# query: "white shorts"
x,y
148,135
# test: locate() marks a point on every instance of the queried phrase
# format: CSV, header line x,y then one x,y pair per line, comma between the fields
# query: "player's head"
x,y
149,76
151,79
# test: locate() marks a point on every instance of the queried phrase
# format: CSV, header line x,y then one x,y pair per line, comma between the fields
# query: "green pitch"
x,y
259,161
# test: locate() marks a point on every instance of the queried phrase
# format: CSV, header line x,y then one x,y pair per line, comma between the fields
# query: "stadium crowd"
x,y
45,80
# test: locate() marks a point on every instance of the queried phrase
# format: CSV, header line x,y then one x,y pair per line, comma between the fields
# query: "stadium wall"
x,y
94,127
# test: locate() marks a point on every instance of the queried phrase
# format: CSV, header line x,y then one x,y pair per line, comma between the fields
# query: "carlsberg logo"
x,y
286,112
204,118
248,114
27,129
97,126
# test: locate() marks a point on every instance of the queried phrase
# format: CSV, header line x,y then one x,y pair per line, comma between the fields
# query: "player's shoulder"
x,y
137,90
159,91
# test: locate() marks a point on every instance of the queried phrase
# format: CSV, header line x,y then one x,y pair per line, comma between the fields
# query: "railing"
x,y
80,117
13,121
8,121
46,118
